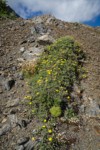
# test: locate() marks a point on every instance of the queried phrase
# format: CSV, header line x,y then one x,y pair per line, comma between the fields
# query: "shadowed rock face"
x,y
20,42
10,10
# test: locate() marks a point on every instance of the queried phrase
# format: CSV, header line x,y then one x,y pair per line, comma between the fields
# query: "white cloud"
x,y
69,10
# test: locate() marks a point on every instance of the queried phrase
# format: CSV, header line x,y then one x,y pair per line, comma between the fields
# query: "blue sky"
x,y
83,11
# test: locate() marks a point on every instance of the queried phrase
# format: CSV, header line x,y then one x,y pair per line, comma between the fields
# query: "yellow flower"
x,y
30,103
68,97
50,131
28,97
39,81
57,90
50,139
45,121
37,93
43,126
49,71
33,139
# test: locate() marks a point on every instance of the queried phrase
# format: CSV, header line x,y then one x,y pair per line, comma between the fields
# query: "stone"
x,y
9,83
13,120
29,145
82,109
20,60
37,20
40,28
31,39
45,39
33,53
32,30
19,75
13,103
22,49
76,89
50,20
93,110
21,147
6,128
14,68
4,120
22,140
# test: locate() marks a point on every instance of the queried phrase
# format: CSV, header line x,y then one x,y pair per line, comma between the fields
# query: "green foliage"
x,y
69,113
55,111
47,138
4,11
54,75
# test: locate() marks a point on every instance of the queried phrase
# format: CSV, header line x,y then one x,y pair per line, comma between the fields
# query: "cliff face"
x,y
24,40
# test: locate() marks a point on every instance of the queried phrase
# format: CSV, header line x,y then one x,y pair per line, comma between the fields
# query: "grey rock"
x,y
29,145
82,109
13,120
13,103
9,83
40,28
32,53
23,140
32,30
14,68
31,39
45,39
76,89
50,20
60,25
37,20
93,110
21,147
6,128
19,75
22,49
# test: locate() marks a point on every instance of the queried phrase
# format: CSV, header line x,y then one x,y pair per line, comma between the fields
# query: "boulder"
x,y
33,53
45,39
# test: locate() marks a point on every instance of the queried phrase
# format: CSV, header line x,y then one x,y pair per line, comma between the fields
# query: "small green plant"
x,y
55,111
69,113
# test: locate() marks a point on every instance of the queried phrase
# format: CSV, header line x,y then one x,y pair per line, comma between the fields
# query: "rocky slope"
x,y
24,40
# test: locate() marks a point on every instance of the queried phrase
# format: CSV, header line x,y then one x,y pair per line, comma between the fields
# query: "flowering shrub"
x,y
52,83
54,75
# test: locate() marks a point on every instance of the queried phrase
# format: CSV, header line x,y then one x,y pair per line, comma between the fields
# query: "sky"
x,y
83,11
